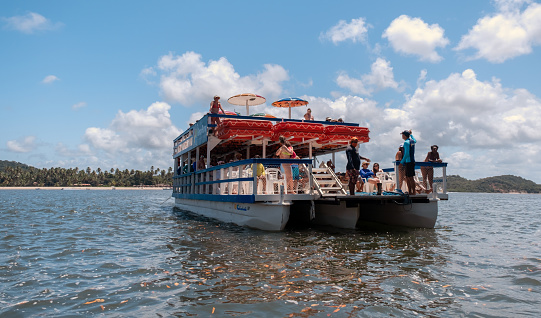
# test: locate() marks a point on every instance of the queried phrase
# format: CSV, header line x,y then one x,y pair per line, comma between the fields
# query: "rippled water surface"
x,y
131,254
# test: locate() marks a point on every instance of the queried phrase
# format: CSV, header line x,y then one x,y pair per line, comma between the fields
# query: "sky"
x,y
110,84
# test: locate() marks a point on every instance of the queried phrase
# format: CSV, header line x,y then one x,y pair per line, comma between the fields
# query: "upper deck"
x,y
259,135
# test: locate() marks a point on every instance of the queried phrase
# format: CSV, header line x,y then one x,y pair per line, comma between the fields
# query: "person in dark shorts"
x,y
408,161
354,164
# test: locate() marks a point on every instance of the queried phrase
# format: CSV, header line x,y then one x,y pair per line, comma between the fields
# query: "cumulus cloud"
x,y
506,34
355,31
49,79
380,77
187,80
135,137
30,23
22,145
463,111
414,36
482,128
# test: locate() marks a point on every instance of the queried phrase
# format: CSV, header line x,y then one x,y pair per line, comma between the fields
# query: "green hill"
x,y
13,164
499,184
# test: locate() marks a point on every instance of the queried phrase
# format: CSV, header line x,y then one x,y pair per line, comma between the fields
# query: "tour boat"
x,y
229,189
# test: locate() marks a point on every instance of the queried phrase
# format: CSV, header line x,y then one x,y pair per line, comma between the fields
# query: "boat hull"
x,y
262,215
420,214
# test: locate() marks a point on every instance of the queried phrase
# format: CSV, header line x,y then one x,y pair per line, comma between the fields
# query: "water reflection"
x,y
307,272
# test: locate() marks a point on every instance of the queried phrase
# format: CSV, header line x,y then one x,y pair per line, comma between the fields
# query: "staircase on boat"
x,y
326,182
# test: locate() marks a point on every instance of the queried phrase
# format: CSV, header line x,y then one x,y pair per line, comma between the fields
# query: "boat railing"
x,y
430,177
247,181
276,119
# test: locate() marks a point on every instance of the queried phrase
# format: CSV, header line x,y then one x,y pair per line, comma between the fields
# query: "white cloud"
x,y
106,139
355,31
30,23
147,74
466,112
414,36
380,77
78,105
505,35
49,79
187,80
22,145
482,128
354,85
134,139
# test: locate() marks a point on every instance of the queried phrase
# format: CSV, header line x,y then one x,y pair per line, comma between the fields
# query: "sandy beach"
x,y
82,188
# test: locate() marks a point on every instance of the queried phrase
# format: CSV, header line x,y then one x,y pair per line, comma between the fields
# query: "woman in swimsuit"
x,y
215,107
286,152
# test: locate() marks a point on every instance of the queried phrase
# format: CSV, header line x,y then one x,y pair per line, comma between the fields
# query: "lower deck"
x,y
267,194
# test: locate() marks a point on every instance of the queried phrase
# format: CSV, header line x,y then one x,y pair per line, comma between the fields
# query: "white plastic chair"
x,y
246,185
233,185
367,186
273,181
388,182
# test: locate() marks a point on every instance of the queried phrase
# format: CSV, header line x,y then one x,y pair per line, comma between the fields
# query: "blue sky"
x,y
110,84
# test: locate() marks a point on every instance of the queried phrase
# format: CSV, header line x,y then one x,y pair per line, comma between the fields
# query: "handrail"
x,y
283,120
334,176
270,161
419,166
336,179
235,175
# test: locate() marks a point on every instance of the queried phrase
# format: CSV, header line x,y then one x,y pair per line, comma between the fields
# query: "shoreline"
x,y
83,188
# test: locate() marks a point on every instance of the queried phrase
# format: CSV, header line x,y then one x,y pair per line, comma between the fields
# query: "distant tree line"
x,y
499,184
14,174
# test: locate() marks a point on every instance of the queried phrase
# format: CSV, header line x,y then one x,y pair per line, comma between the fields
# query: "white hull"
x,y
417,215
263,216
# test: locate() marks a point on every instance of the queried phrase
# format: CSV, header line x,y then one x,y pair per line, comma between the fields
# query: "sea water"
x,y
131,254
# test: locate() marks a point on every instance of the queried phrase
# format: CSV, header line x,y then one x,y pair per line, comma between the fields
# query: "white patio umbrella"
x,y
246,99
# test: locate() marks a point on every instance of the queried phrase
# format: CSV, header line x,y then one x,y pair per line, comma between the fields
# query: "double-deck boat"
x,y
255,191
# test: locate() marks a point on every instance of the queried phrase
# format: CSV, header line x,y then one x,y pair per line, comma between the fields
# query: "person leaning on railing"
x,y
428,171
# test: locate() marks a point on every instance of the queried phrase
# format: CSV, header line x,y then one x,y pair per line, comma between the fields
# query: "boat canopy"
x,y
259,136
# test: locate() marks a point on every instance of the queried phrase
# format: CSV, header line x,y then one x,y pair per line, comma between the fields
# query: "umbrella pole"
x,y
289,110
247,109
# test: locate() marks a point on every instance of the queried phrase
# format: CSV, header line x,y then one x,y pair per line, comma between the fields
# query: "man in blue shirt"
x,y
409,159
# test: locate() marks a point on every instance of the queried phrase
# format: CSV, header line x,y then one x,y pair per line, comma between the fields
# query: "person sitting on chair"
x,y
370,176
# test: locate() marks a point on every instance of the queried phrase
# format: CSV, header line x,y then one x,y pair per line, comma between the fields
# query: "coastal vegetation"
x,y
499,184
14,174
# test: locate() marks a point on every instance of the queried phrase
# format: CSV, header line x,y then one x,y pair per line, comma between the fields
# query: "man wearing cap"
x,y
354,164
408,160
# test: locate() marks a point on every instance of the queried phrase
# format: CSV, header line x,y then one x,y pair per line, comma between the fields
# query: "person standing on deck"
x,y
354,164
215,108
409,159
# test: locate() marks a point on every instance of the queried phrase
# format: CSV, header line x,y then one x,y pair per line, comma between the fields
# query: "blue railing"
x,y
429,177
235,181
